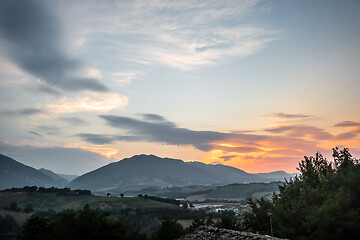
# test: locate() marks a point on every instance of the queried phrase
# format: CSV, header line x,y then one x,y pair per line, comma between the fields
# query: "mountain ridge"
x,y
16,174
141,171
60,181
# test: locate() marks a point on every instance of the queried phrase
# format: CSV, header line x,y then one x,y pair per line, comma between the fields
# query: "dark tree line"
x,y
59,191
92,224
322,203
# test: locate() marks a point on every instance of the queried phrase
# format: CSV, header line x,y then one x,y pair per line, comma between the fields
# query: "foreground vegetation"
x,y
322,203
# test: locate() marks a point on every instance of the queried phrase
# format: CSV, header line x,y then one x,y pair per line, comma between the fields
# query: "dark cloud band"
x,y
35,44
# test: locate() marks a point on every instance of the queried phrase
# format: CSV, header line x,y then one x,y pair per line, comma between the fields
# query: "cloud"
x,y
99,139
35,133
47,90
96,139
153,117
22,112
168,133
92,103
227,158
345,136
348,124
182,34
238,149
290,116
49,130
57,159
74,121
35,43
301,131
164,132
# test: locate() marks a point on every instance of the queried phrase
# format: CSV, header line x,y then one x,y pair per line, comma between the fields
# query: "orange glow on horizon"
x,y
104,151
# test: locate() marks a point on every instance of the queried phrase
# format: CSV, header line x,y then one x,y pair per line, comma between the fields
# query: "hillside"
x,y
59,181
144,171
244,191
44,201
67,177
15,174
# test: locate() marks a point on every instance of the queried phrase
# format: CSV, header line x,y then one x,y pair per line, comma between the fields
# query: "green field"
x,y
243,191
45,201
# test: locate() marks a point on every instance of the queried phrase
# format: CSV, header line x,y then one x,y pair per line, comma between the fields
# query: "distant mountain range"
x,y
144,171
137,172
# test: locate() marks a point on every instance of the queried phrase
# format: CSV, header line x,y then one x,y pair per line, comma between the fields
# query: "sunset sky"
x,y
251,84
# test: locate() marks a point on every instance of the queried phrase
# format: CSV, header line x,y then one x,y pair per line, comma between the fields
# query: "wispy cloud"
x,y
301,131
92,102
74,121
348,124
228,157
345,136
181,34
99,139
153,117
49,130
290,116
96,138
22,112
36,133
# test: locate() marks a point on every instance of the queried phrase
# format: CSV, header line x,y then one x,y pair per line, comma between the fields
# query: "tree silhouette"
x,y
321,203
169,230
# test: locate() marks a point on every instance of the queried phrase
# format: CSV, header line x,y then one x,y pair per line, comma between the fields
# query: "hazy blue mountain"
x,y
15,174
142,171
68,177
60,181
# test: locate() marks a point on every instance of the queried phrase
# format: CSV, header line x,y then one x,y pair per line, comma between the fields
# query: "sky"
x,y
253,84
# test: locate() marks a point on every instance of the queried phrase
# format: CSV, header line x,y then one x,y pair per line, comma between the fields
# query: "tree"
x,y
28,208
122,195
84,224
258,220
37,228
8,228
169,230
13,206
321,203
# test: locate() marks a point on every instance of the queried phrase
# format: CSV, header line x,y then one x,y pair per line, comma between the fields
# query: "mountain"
x,y
275,176
144,171
60,181
67,177
15,174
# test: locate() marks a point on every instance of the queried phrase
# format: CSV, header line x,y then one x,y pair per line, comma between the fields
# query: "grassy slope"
x,y
243,191
46,201
19,217
6,198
